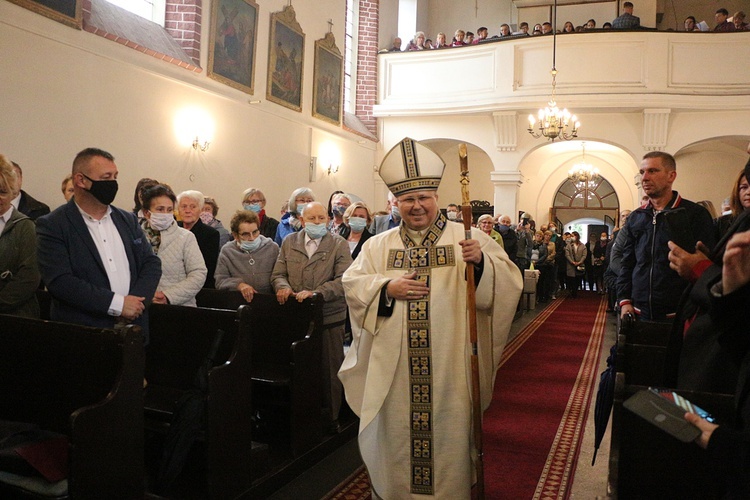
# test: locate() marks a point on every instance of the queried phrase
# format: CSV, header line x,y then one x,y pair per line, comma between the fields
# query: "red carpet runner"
x,y
534,427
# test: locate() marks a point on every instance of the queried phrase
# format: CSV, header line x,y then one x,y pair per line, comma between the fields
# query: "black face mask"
x,y
104,191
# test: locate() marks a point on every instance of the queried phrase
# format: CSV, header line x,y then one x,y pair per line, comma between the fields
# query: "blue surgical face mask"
x,y
249,246
300,208
315,231
358,224
395,212
253,207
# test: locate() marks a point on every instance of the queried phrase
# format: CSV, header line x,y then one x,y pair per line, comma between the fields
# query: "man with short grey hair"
x,y
382,223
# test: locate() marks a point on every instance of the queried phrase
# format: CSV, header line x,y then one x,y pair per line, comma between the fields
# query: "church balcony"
x,y
606,71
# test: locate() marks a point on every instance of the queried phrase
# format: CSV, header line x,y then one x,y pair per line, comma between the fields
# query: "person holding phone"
x,y
702,365
728,447
647,285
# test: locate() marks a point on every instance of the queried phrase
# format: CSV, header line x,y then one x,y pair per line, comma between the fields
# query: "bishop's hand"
x,y
471,251
407,287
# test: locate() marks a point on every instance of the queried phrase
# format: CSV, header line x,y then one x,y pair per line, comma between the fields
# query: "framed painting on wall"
x,y
327,80
231,49
65,11
286,54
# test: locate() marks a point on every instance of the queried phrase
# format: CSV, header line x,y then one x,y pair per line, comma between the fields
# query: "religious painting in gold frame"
x,y
64,11
231,49
286,57
327,80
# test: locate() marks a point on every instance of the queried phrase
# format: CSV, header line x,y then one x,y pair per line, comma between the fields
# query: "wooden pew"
x,y
644,461
85,383
642,352
181,338
286,368
286,350
220,299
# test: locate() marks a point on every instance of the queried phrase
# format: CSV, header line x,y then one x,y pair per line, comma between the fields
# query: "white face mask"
x,y
452,215
160,221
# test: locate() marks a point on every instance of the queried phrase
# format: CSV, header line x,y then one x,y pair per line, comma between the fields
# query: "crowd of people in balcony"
x,y
625,21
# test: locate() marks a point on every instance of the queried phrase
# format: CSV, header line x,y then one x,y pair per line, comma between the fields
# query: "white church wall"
x,y
65,90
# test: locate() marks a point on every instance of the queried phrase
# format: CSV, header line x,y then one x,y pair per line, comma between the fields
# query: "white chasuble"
x,y
408,376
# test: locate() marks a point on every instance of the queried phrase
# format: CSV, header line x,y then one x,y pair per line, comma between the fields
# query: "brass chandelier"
x,y
554,123
583,174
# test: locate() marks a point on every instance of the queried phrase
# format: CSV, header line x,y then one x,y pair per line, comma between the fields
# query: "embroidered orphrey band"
x,y
421,258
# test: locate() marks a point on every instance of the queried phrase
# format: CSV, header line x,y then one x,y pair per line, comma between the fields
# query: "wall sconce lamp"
x,y
332,168
194,127
197,144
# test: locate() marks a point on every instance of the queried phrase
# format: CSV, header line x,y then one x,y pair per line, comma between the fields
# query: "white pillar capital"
x,y
506,132
514,178
655,129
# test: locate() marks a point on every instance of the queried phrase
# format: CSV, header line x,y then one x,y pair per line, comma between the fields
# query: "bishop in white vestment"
x,y
407,374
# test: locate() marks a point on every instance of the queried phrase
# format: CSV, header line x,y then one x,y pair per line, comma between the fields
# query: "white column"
x,y
506,185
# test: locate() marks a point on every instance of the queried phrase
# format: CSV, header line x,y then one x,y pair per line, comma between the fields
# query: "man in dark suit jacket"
x,y
94,258
24,203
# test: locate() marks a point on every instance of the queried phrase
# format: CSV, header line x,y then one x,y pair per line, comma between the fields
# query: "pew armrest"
x,y
107,437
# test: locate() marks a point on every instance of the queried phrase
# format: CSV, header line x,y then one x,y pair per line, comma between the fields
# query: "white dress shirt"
x,y
112,252
16,201
4,218
311,245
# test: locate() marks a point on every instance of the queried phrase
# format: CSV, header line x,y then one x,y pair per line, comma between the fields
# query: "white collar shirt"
x,y
311,245
16,201
112,252
4,218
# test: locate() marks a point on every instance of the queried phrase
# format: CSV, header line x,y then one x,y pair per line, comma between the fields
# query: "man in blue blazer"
x,y
94,258
382,223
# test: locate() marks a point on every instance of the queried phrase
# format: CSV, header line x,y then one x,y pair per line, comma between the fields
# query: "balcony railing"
x,y
610,71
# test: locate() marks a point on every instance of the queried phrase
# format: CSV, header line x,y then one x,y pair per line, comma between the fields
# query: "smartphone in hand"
x,y
680,231
666,409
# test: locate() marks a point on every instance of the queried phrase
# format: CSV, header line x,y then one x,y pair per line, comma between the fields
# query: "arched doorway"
x,y
592,206
547,193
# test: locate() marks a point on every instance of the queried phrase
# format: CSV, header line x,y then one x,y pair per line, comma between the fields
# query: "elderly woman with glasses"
x,y
486,224
255,201
246,263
